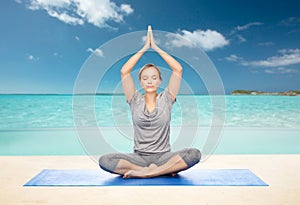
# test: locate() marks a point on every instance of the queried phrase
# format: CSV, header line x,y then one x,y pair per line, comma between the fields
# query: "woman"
x,y
151,115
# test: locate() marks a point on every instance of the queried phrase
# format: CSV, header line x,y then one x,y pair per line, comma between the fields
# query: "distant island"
x,y
252,92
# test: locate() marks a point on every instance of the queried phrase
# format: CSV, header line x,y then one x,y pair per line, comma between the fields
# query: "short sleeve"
x,y
169,96
135,98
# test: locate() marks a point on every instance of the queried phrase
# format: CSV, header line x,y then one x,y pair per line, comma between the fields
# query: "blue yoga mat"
x,y
195,177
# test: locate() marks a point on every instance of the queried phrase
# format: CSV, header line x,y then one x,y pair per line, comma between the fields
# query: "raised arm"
x,y
175,79
127,82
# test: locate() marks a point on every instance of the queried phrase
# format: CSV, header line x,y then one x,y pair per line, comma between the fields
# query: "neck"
x,y
150,97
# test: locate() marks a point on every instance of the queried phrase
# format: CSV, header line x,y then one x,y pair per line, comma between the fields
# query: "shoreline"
x,y
60,141
253,92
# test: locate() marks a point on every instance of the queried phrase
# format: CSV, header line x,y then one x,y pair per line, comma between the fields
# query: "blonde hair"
x,y
149,65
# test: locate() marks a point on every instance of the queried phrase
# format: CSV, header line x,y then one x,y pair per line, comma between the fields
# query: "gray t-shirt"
x,y
151,129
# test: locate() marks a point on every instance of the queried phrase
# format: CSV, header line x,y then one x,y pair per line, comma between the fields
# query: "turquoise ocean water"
x,y
44,125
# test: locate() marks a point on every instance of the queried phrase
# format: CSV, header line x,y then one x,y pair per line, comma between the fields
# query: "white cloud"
x,y
78,12
287,57
246,26
208,40
281,70
291,21
66,18
275,64
57,55
77,38
241,38
97,51
48,4
32,58
126,8
18,1
239,29
233,58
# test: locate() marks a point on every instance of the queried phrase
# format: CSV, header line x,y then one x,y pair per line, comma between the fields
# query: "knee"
x,y
192,156
103,160
107,162
196,154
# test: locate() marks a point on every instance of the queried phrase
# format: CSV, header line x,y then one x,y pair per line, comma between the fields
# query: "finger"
x,y
149,35
152,38
149,32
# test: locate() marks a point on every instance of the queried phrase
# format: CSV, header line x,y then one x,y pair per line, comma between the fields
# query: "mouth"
x,y
149,86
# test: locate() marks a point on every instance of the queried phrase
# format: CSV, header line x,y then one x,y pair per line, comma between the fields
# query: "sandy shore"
x,y
281,172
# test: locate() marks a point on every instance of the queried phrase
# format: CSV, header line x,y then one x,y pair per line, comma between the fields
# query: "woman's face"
x,y
150,79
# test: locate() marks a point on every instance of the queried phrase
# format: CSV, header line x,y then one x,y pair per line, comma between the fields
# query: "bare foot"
x,y
142,173
152,166
136,173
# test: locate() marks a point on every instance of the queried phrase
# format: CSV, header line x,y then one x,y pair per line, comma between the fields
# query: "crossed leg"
x,y
133,165
173,165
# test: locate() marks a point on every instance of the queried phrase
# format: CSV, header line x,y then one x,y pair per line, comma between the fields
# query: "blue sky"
x,y
254,45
